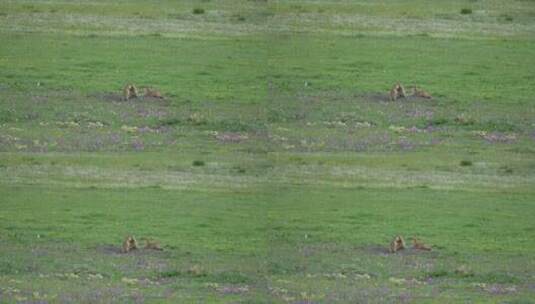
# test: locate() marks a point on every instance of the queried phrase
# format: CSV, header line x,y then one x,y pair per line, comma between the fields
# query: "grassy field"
x,y
276,170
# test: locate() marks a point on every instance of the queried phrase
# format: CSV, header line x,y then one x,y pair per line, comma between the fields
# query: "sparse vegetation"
x,y
198,163
198,11
466,163
466,11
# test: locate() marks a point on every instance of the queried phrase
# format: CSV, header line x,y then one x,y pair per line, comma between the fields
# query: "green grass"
x,y
275,170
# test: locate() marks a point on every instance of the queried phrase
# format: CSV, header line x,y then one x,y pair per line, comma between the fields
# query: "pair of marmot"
x,y
398,91
130,91
130,243
398,243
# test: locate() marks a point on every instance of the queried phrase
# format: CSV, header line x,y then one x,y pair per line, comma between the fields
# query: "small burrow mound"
x,y
384,97
149,98
109,249
375,250
385,251
107,96
415,98
376,97
116,97
117,250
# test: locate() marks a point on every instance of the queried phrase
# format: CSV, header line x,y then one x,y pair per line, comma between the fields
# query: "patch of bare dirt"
x,y
385,251
231,137
232,289
117,250
117,97
112,97
384,97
